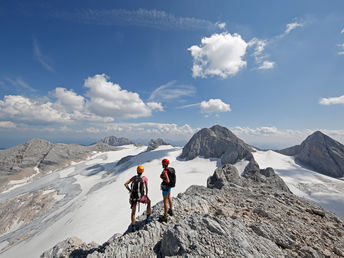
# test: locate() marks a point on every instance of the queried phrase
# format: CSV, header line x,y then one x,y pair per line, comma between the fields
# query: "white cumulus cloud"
x,y
332,101
19,108
69,100
109,99
219,55
342,31
221,25
214,106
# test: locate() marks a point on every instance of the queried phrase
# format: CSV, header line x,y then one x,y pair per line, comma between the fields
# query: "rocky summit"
x,y
114,141
251,216
321,153
217,142
153,144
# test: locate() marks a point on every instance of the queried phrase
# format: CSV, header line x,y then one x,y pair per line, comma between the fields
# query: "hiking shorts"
x,y
144,199
165,190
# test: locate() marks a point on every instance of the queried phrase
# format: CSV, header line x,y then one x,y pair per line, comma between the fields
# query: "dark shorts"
x,y
165,190
144,199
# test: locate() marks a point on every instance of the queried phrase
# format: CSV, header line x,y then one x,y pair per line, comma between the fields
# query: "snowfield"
x,y
95,203
323,190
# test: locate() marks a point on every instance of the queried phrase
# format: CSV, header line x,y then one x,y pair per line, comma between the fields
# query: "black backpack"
x,y
137,189
172,176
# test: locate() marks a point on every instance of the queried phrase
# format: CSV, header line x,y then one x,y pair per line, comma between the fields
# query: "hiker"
x,y
168,181
138,194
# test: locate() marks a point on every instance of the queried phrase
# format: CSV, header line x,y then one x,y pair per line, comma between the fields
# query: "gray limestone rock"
x,y
228,174
153,144
216,142
321,153
114,141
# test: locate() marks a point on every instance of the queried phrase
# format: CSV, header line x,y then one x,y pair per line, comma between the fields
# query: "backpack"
x,y
172,176
137,189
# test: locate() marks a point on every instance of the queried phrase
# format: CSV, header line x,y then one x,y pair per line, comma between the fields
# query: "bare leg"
x,y
165,204
133,211
148,207
170,200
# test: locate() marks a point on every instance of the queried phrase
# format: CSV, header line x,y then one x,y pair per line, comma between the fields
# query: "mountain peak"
x,y
114,141
216,142
320,152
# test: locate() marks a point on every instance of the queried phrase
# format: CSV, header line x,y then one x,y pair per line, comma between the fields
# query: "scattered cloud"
x,y
171,91
218,55
291,26
266,65
104,102
145,130
142,17
342,31
108,99
44,60
272,137
155,106
223,54
7,124
19,108
17,84
341,46
221,25
332,101
214,106
69,100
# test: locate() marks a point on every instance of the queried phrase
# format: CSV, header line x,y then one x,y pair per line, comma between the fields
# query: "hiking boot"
x,y
163,218
170,212
149,219
133,228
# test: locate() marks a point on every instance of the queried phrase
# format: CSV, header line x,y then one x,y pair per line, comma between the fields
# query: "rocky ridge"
x,y
217,142
153,144
114,141
252,216
37,155
321,153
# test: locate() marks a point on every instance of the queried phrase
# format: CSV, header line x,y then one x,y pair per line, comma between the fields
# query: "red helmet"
x,y
165,162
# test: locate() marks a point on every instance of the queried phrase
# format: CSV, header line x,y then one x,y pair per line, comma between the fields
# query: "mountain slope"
x,y
217,142
237,218
320,152
91,201
37,157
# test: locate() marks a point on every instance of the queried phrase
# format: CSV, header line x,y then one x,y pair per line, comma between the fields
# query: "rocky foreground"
x,y
251,216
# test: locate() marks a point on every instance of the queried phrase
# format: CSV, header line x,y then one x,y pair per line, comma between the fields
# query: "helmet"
x,y
165,162
140,169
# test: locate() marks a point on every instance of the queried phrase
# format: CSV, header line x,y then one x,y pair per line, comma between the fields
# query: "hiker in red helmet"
x,y
137,191
168,181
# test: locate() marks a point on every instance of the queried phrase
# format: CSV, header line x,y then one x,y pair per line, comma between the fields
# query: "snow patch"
x,y
326,191
241,165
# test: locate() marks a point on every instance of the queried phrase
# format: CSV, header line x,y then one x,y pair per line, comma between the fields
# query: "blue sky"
x,y
271,71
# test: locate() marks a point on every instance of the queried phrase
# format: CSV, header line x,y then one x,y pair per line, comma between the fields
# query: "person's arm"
x,y
164,176
146,184
126,184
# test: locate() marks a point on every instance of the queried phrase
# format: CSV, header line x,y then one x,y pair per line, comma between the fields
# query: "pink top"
x,y
144,179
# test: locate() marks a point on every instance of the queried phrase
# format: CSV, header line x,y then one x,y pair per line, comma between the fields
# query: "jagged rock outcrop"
x,y
321,153
153,144
232,217
114,141
217,142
